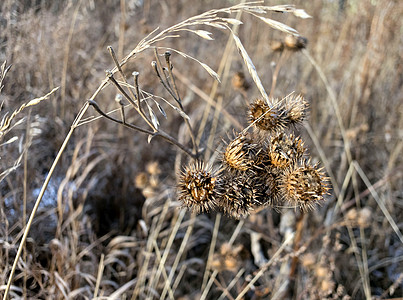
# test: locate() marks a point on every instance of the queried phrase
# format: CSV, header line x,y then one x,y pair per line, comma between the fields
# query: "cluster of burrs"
x,y
265,167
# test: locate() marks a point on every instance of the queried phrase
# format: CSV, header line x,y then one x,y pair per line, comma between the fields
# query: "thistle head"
x,y
240,154
265,118
295,108
197,187
240,194
303,185
283,150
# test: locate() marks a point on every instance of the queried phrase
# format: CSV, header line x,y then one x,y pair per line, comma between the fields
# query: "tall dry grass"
x,y
109,226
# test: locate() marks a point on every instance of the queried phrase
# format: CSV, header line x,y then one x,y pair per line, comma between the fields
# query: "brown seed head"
x,y
270,189
265,118
240,154
239,195
295,43
295,108
303,185
283,150
197,188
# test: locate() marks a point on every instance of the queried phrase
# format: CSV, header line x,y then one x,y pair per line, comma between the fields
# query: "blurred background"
x,y
110,225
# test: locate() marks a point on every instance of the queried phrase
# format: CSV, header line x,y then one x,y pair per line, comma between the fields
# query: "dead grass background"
x,y
109,225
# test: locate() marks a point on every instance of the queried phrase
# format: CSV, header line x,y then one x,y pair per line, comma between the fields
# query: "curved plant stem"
x,y
41,193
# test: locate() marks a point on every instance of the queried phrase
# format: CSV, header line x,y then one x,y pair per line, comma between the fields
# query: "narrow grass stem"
x,y
40,196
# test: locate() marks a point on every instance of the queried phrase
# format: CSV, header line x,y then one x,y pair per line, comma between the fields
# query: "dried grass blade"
x,y
278,25
202,33
251,67
210,71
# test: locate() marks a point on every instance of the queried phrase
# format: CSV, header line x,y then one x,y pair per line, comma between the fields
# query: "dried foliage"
x,y
108,222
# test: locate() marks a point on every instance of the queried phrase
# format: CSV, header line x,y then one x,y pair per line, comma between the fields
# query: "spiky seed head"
x,y
240,194
295,108
240,154
295,43
266,118
283,150
304,185
270,189
197,187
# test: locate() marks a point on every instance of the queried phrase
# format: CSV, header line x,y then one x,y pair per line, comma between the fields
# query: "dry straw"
x,y
140,100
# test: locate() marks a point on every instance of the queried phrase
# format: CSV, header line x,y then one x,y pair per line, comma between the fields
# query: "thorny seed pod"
x,y
295,108
239,82
283,150
270,189
295,43
197,188
239,195
265,118
240,154
303,185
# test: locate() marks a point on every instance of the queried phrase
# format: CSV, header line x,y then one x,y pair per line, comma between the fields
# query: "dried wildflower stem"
x,y
173,91
378,200
99,275
66,59
152,133
265,267
234,122
208,286
115,60
211,250
43,189
131,126
178,256
171,75
161,266
283,57
231,284
298,236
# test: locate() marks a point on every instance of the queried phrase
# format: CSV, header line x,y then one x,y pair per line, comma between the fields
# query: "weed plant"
x,y
285,145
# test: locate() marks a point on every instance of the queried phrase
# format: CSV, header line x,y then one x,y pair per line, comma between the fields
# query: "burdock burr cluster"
x,y
264,167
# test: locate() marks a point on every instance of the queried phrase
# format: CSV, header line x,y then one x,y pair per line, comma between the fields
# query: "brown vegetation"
x,y
109,224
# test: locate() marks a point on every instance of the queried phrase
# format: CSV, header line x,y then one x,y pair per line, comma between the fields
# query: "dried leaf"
x,y
154,118
162,111
149,138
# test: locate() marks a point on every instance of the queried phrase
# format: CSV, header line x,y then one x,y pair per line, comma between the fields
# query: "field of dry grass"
x,y
109,224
